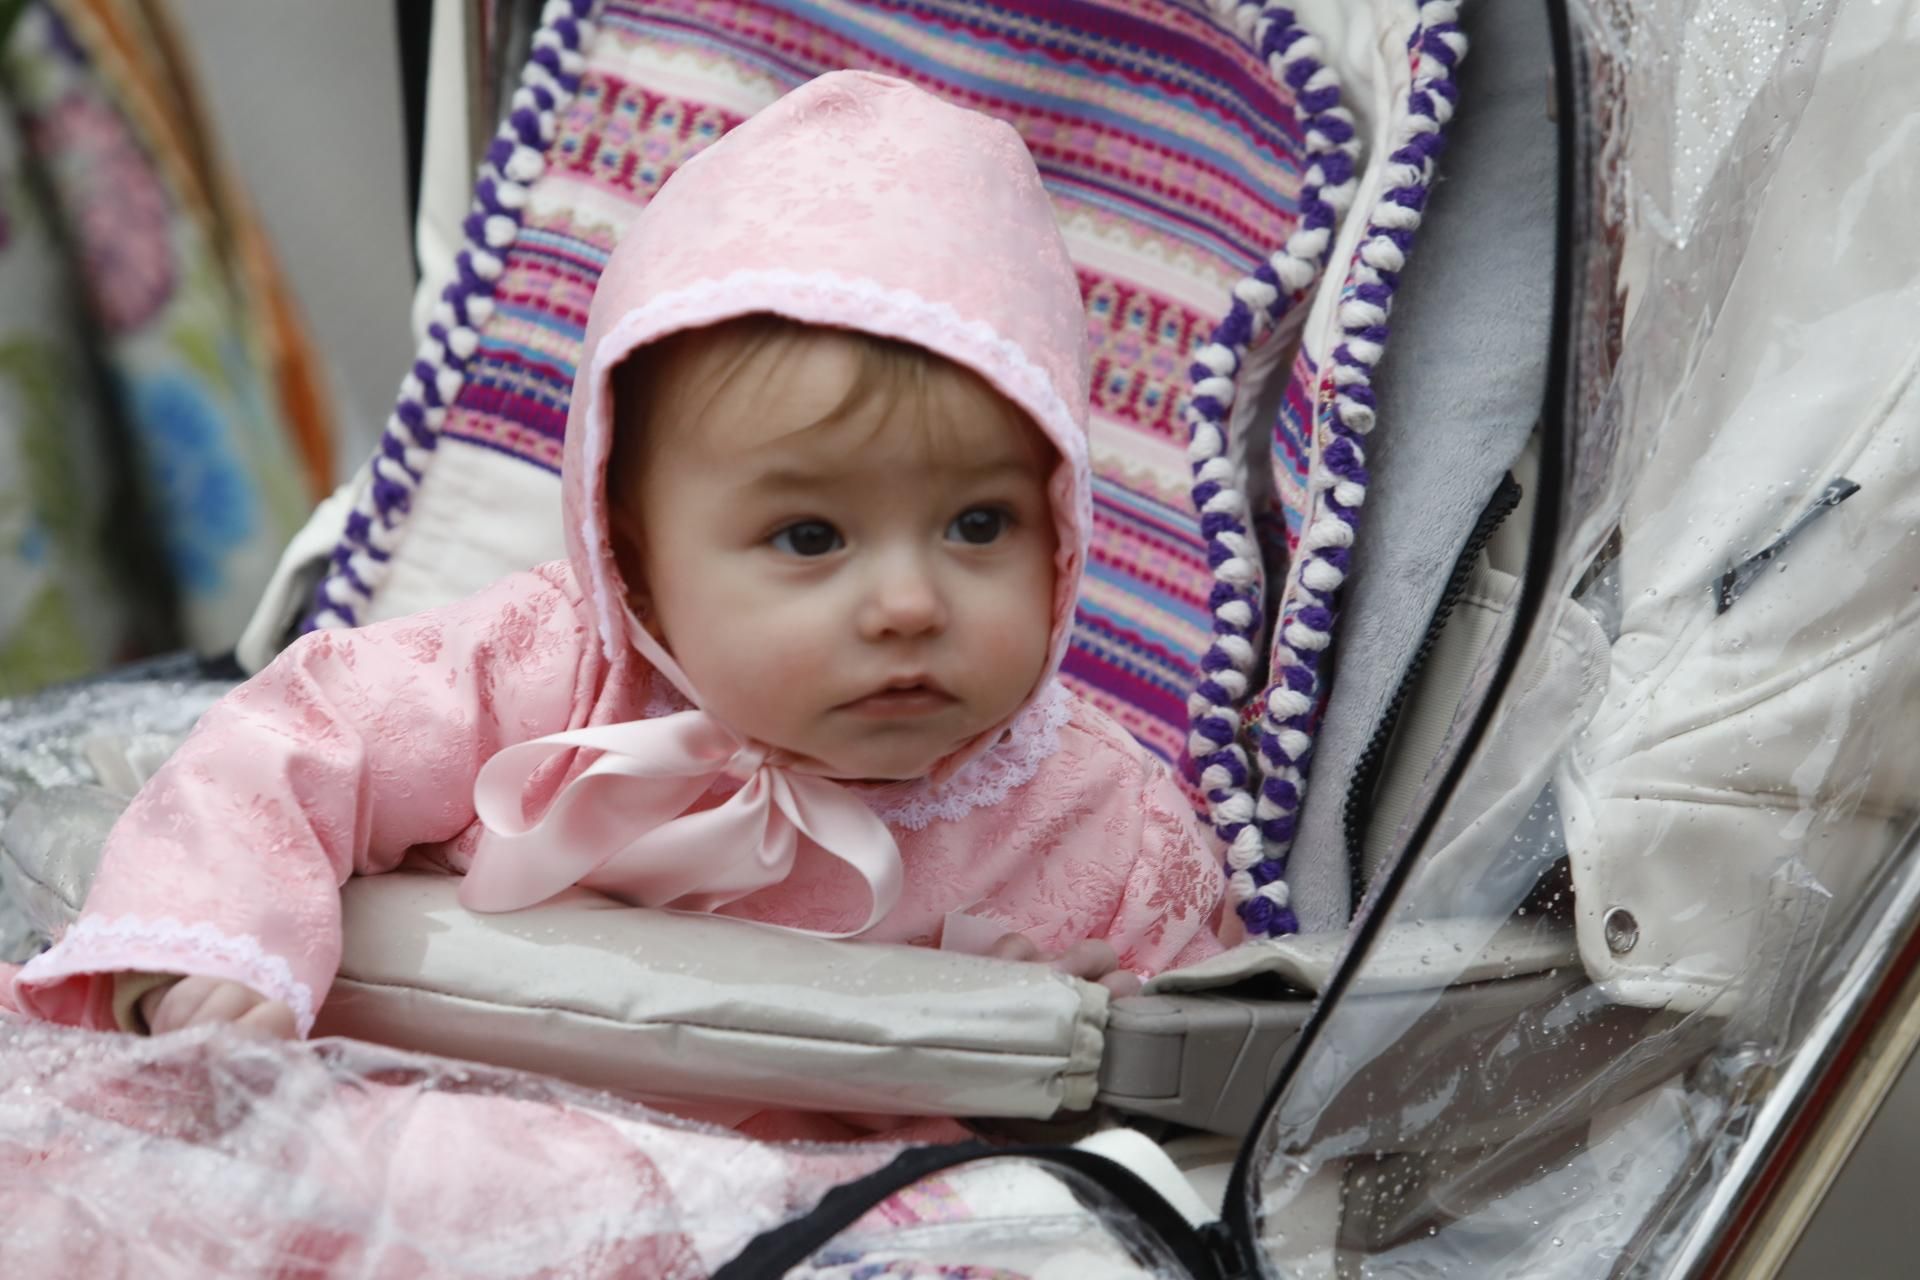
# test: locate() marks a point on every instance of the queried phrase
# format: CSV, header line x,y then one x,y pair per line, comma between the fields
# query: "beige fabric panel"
x,y
702,1008
655,1003
1404,958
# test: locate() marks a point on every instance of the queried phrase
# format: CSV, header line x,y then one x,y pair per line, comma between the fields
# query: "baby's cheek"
x,y
787,666
1012,645
791,670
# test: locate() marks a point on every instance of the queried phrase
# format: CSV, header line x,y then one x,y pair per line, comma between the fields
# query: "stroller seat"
x,y
480,415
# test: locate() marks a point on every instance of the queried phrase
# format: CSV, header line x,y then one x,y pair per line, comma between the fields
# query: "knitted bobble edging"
x,y
1337,480
1259,302
515,159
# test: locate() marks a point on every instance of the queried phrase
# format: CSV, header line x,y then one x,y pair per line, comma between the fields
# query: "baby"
x,y
827,503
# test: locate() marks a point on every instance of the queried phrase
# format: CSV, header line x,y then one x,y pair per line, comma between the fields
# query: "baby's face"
x,y
868,592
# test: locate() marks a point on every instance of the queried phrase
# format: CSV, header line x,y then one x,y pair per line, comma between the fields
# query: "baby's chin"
x,y
881,769
887,761
885,752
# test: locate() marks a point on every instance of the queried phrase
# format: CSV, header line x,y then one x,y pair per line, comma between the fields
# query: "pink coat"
x,y
855,201
355,747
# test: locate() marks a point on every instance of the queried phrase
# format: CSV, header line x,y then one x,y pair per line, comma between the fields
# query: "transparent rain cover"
x,y
209,1153
212,1153
1724,832
73,735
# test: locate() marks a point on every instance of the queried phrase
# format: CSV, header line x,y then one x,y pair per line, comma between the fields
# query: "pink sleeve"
x,y
350,748
1169,906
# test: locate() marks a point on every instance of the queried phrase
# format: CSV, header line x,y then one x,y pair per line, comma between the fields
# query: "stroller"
x,y
1505,518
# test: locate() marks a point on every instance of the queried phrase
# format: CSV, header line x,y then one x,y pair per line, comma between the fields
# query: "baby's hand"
x,y
192,1002
1090,958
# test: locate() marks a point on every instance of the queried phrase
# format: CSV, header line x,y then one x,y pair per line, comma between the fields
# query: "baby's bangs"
x,y
894,384
950,405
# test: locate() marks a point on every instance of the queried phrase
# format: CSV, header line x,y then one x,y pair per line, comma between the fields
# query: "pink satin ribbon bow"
x,y
622,826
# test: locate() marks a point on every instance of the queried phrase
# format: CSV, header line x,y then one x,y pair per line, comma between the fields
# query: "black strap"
x,y
1735,581
773,1253
413,25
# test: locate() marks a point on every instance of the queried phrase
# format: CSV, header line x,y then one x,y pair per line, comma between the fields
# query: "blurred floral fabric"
x,y
161,431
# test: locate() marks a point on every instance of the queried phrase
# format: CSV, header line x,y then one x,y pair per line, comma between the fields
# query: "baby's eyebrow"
x,y
1015,463
787,477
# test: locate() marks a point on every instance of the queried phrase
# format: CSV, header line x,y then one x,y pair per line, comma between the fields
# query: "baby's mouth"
x,y
913,696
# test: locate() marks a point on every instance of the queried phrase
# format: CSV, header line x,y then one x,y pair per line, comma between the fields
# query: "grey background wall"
x,y
305,96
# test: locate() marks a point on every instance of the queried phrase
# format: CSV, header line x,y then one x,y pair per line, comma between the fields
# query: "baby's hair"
x,y
893,372
897,375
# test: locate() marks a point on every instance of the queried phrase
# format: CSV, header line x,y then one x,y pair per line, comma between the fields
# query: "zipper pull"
x,y
1735,581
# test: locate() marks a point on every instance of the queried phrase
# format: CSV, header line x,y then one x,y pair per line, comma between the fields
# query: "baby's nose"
x,y
905,602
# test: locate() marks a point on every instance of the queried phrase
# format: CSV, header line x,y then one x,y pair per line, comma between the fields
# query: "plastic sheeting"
x,y
1003,1218
110,732
1729,828
208,1153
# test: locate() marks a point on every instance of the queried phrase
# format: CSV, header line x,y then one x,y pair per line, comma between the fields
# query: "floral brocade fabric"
x,y
355,748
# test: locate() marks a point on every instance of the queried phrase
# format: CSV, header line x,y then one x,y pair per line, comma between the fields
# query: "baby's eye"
x,y
808,538
979,525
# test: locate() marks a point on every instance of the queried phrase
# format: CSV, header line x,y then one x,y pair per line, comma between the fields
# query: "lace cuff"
x,y
99,948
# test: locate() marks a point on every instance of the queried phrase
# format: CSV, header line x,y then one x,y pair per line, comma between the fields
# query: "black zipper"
x,y
1356,813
